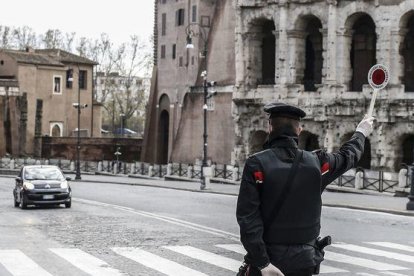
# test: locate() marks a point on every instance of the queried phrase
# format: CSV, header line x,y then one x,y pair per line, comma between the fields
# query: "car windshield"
x,y
43,173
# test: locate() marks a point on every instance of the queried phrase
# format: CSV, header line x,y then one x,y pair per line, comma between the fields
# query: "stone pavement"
x,y
334,197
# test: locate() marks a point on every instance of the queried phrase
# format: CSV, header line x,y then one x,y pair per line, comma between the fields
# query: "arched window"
x,y
257,140
163,130
262,52
313,54
407,50
363,50
56,129
308,141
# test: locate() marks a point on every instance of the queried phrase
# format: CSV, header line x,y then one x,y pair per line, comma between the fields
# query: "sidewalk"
x,y
363,201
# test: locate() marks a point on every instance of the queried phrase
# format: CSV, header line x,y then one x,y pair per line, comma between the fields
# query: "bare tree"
x,y
6,37
52,39
23,37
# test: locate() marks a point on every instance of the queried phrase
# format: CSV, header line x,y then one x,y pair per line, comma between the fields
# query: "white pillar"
x,y
359,180
402,178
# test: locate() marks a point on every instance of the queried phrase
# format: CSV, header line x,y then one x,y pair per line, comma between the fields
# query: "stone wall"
x,y
91,149
333,109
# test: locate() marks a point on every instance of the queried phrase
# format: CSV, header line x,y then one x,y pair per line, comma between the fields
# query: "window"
x,y
162,51
174,48
57,85
192,60
138,82
82,79
163,1
194,14
56,129
211,104
180,62
179,17
69,78
205,21
164,24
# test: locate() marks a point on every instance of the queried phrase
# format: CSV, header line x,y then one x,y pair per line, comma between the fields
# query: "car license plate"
x,y
48,197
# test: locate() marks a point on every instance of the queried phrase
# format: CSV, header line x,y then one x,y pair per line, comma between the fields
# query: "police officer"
x,y
284,245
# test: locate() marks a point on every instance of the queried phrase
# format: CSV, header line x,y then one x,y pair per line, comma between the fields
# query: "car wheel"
x,y
68,204
23,203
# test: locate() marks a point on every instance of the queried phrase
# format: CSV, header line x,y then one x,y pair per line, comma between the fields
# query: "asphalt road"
x,y
132,230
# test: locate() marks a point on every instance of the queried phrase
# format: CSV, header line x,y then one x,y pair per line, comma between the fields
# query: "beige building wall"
x,y
37,81
179,80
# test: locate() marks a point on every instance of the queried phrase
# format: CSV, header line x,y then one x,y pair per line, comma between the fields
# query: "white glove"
x,y
366,126
271,270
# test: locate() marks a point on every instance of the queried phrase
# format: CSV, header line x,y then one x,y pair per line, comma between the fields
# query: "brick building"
x,y
312,53
46,83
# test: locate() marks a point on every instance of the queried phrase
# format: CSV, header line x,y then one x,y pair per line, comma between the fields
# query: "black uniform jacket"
x,y
250,212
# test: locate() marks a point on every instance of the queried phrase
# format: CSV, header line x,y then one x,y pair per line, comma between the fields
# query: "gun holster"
x,y
320,244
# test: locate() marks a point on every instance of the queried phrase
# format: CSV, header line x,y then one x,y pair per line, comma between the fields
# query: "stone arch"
x,y
406,151
365,161
256,141
262,51
309,59
363,42
308,141
407,50
163,136
56,130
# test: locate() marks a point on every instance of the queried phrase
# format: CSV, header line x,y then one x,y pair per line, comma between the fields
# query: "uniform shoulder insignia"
x,y
258,177
324,168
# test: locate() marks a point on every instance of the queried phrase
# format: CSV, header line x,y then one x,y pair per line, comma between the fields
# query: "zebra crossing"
x,y
364,259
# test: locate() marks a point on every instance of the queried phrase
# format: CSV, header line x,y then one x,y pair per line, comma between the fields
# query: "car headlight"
x,y
28,186
64,185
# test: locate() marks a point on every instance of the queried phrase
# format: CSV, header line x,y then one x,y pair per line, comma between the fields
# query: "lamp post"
x,y
410,204
122,115
190,32
78,106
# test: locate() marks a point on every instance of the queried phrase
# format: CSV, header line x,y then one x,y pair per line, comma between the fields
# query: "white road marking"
x,y
18,264
207,257
393,273
238,248
366,274
394,246
86,262
341,258
382,253
329,269
183,223
156,262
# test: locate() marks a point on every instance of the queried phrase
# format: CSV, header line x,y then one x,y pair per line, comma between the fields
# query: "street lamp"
x,y
191,32
410,204
122,115
78,106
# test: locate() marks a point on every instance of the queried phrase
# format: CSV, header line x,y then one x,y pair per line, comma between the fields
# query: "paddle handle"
x,y
371,105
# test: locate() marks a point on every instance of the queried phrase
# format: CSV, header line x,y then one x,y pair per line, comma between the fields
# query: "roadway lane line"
x,y
187,224
207,257
18,264
155,262
376,252
342,258
86,262
240,249
394,246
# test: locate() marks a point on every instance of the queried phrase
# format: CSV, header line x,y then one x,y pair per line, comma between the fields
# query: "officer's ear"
x,y
299,130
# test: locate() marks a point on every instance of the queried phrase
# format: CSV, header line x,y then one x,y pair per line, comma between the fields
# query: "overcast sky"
x,y
119,19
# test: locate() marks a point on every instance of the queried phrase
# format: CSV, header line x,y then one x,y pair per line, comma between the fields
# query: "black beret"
x,y
277,109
